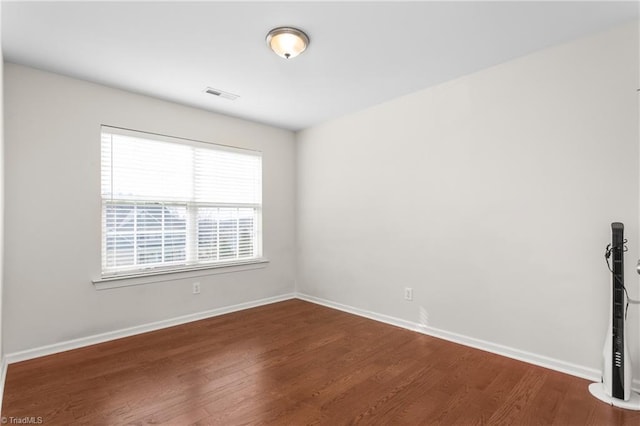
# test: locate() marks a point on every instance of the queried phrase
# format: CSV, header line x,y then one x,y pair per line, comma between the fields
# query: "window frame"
x,y
191,266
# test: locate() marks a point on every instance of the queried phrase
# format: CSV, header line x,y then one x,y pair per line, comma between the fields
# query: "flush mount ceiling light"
x,y
287,42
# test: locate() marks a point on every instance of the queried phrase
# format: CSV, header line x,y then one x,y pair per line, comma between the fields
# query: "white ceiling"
x,y
361,53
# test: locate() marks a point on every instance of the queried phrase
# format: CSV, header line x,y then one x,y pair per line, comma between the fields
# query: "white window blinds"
x,y
170,203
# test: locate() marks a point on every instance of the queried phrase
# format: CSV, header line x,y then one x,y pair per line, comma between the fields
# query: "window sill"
x,y
117,281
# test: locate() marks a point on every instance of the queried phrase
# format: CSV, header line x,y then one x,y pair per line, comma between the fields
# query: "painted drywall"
x,y
2,358
52,210
491,196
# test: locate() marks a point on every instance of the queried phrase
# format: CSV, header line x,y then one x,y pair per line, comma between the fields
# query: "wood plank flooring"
x,y
295,363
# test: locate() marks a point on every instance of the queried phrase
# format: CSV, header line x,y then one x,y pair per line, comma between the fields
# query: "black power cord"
x,y
607,255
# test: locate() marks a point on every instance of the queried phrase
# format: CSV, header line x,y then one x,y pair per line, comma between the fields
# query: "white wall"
x,y
53,210
491,196
1,205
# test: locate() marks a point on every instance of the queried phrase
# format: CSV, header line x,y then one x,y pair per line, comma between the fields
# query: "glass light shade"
x,y
287,42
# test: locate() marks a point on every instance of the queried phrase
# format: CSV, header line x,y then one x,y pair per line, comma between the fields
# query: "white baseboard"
x,y
528,357
531,358
144,328
3,377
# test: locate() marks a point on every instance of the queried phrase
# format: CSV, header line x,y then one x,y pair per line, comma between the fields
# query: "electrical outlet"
x,y
408,293
196,288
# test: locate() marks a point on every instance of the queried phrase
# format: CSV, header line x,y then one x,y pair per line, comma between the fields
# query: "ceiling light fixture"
x,y
287,42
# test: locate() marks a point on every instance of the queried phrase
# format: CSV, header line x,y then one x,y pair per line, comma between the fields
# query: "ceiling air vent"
x,y
221,94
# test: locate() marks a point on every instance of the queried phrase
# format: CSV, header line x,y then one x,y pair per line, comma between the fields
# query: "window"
x,y
172,204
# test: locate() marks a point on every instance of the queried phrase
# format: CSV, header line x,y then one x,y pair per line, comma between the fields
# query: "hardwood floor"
x,y
295,363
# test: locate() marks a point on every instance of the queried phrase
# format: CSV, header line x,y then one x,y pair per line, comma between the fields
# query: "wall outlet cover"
x,y
408,293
